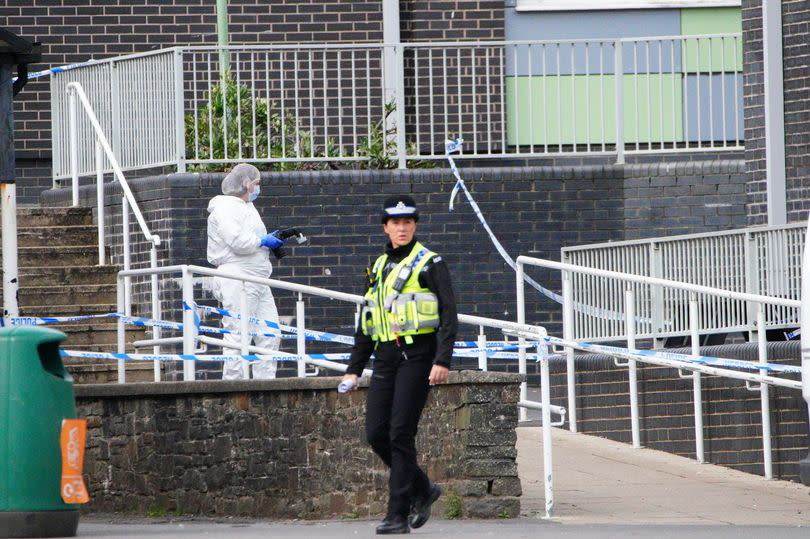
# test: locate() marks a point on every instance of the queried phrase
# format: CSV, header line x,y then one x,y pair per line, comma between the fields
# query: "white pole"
x,y
630,325
482,344
545,398
244,327
100,201
127,255
300,338
696,382
521,319
765,405
10,270
568,335
155,309
774,103
189,329
120,309
73,130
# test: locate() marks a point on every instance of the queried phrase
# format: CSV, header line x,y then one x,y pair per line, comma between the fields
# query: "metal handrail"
x,y
128,201
630,320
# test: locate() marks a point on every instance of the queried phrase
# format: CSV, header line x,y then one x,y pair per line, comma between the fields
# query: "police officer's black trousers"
x,y
397,394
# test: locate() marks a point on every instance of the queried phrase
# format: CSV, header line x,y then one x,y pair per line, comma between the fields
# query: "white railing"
x,y
635,287
103,149
190,337
762,260
317,103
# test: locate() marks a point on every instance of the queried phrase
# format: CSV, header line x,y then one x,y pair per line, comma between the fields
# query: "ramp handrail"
x,y
128,201
631,353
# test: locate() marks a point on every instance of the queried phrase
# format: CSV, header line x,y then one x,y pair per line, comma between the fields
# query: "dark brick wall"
x,y
74,31
531,210
796,55
732,420
256,448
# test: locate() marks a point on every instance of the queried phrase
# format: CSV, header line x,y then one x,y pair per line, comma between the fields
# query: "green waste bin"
x,y
36,394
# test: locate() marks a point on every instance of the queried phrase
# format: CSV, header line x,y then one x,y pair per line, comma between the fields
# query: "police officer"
x,y
409,321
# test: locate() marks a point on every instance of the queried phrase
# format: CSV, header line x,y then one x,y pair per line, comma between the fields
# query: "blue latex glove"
x,y
271,241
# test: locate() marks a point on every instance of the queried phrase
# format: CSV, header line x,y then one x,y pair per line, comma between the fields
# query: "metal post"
x,y
179,121
155,308
657,294
127,255
774,111
630,329
765,404
120,309
222,36
545,398
568,334
73,139
100,201
618,73
521,319
189,329
804,465
300,337
8,193
482,344
402,151
696,382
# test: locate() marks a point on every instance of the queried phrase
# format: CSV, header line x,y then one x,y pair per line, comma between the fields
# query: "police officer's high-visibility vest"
x,y
399,306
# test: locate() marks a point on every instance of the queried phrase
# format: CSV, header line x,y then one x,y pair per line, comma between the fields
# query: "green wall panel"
x,y
720,54
579,109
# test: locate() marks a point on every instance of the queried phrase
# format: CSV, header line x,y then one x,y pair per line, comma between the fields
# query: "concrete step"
x,y
45,236
66,310
102,331
68,294
91,371
53,217
60,275
57,255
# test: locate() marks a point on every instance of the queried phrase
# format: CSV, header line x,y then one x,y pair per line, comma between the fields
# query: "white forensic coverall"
x,y
234,236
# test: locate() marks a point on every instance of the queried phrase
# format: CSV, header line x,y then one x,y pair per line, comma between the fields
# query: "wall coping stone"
x,y
278,384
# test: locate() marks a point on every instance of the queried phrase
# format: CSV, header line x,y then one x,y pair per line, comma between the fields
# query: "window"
x,y
578,5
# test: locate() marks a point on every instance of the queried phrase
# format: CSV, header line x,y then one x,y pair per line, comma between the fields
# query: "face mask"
x,y
254,195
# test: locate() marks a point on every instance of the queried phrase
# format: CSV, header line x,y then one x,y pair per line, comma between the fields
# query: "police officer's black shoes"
x,y
393,525
420,513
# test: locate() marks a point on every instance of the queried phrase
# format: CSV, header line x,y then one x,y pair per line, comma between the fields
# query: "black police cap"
x,y
399,206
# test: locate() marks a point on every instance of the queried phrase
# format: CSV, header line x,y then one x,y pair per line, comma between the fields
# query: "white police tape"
x,y
684,358
43,320
279,356
452,146
309,334
46,72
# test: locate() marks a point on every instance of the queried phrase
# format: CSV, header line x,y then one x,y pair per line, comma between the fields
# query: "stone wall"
x,y
290,448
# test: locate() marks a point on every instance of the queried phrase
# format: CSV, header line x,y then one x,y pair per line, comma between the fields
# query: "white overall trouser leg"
x,y
261,305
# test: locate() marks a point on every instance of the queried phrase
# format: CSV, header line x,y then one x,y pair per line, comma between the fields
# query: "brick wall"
x,y
531,210
73,31
796,54
254,448
732,419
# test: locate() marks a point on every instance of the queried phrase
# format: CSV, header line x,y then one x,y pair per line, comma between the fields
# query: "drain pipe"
x,y
222,37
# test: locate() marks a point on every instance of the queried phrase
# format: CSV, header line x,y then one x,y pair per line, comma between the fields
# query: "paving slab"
x,y
599,481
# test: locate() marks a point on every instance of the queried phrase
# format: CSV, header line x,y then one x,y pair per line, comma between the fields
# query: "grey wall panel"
x,y
707,96
598,56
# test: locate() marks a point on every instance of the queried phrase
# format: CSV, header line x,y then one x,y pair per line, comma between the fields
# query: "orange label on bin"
x,y
74,434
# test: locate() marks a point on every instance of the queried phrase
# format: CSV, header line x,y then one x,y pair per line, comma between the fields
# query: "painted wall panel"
x,y
723,103
581,109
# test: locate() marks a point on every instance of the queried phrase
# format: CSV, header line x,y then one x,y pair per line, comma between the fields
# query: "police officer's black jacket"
x,y
435,276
